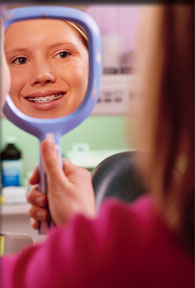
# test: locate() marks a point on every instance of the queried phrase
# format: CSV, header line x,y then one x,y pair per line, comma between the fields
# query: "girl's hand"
x,y
70,190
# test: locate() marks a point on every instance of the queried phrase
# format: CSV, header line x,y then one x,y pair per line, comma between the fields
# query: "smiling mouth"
x,y
46,99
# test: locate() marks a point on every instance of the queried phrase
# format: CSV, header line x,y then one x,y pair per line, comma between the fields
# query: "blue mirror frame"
x,y
59,126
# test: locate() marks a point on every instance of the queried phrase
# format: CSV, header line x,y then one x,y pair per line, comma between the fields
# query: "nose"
x,y
42,75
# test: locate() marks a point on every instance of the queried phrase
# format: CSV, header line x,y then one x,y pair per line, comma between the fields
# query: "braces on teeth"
x,y
45,99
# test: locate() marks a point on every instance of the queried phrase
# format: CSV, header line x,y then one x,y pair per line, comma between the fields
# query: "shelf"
x,y
14,209
115,94
90,159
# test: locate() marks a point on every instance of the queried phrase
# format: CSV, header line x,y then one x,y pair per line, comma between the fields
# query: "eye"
x,y
63,54
19,60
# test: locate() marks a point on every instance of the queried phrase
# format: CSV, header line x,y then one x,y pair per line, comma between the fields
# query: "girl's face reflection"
x,y
49,67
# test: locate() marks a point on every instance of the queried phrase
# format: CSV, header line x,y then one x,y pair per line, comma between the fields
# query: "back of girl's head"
x,y
165,73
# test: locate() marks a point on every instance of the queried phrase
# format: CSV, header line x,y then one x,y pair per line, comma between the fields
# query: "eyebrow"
x,y
23,49
15,50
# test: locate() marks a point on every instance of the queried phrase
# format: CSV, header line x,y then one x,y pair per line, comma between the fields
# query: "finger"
x,y
37,213
52,165
34,223
34,179
50,157
37,198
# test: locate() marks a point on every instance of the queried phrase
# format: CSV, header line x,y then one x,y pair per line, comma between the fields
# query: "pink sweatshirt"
x,y
125,246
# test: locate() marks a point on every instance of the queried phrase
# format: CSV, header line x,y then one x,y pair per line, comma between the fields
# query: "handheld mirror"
x,y
55,58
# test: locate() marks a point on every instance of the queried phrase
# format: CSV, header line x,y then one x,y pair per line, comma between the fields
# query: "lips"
x,y
45,97
45,100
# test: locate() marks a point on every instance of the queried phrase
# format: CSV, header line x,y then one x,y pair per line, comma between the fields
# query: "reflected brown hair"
x,y
81,31
166,126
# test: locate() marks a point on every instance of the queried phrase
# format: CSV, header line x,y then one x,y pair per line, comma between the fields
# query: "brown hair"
x,y
80,30
166,125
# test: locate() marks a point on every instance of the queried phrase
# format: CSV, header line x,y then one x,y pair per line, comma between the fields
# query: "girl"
x,y
148,243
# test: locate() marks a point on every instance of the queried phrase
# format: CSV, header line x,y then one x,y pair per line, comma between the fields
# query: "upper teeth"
x,y
46,99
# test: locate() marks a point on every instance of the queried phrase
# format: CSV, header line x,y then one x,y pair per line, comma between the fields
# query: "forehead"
x,y
40,29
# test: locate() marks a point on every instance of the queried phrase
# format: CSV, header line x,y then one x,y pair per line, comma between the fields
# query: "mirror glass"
x,y
49,64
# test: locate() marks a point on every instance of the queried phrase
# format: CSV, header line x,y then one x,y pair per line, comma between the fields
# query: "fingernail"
x,y
32,221
40,201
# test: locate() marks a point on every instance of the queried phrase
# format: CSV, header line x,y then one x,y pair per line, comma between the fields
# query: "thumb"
x,y
51,160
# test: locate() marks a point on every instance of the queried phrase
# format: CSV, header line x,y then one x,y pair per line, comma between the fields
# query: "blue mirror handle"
x,y
43,184
43,226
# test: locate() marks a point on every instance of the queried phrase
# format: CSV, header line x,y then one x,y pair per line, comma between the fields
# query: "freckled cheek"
x,y
79,79
18,81
76,76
